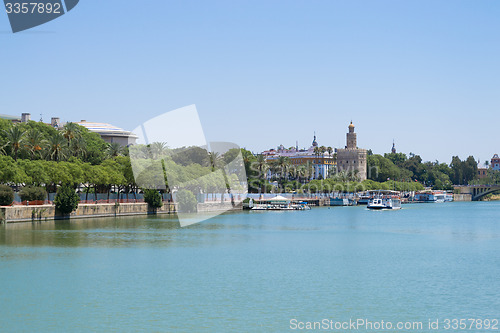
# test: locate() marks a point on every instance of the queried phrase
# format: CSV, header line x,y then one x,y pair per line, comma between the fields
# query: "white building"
x,y
110,133
322,162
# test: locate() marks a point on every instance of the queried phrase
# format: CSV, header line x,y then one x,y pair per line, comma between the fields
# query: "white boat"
x,y
433,196
385,202
280,203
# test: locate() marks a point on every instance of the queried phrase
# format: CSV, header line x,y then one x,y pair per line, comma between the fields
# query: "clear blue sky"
x,y
264,73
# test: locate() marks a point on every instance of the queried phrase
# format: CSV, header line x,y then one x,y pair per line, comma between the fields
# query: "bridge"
x,y
479,191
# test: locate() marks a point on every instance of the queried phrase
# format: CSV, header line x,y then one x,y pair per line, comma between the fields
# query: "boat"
x,y
433,196
382,202
367,196
339,202
280,203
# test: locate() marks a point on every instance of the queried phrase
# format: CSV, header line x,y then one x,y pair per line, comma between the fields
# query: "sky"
x,y
425,74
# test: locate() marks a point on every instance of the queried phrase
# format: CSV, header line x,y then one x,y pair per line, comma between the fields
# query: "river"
x,y
254,271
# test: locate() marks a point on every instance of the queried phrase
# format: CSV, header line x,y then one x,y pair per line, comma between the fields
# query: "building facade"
x,y
352,158
321,162
495,162
482,172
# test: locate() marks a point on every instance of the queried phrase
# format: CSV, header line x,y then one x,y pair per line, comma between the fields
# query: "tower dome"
x,y
351,128
314,143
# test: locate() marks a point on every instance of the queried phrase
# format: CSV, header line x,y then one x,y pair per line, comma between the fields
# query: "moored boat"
x,y
280,203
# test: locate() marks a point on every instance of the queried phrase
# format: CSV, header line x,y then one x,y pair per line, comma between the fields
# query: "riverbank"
x,y
495,197
13,214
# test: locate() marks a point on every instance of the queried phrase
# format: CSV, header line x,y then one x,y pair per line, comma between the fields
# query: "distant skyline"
x,y
425,74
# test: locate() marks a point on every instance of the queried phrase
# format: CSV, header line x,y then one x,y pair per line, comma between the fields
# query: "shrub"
x,y
32,193
66,200
153,198
187,201
6,195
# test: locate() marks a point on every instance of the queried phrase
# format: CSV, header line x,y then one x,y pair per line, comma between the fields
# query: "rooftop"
x,y
104,128
5,116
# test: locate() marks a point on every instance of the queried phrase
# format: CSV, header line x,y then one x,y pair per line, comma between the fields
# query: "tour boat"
x,y
280,203
433,196
384,202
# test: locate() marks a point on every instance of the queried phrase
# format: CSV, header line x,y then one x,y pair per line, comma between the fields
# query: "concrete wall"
x,y
47,212
462,197
217,206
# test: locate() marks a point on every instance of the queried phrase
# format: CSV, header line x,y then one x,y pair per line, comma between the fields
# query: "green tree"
x,y
35,143
114,149
56,144
215,160
153,198
6,195
32,193
15,136
66,200
398,159
187,201
70,131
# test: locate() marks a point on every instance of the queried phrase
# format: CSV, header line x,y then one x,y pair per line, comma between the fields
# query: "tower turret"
x,y
351,138
314,143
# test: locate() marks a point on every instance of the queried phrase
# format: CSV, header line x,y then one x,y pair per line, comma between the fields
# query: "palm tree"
x,y
2,148
79,147
262,167
15,137
71,131
114,149
158,149
261,164
215,160
56,147
283,163
301,172
34,142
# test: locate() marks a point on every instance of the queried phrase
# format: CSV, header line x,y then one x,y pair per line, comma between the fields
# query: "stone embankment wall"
x,y
217,206
47,212
462,197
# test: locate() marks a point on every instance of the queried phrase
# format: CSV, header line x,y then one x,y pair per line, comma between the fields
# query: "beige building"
x,y
352,158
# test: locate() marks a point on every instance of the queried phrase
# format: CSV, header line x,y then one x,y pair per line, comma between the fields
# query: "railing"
x,y
89,202
32,203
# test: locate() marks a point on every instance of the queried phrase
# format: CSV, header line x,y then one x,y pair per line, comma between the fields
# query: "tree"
x,y
66,200
34,143
71,131
114,149
15,138
397,158
56,147
158,150
95,147
153,198
6,195
283,164
381,168
32,193
79,147
187,201
215,160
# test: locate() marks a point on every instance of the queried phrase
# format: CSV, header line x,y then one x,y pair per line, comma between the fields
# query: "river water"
x,y
255,271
